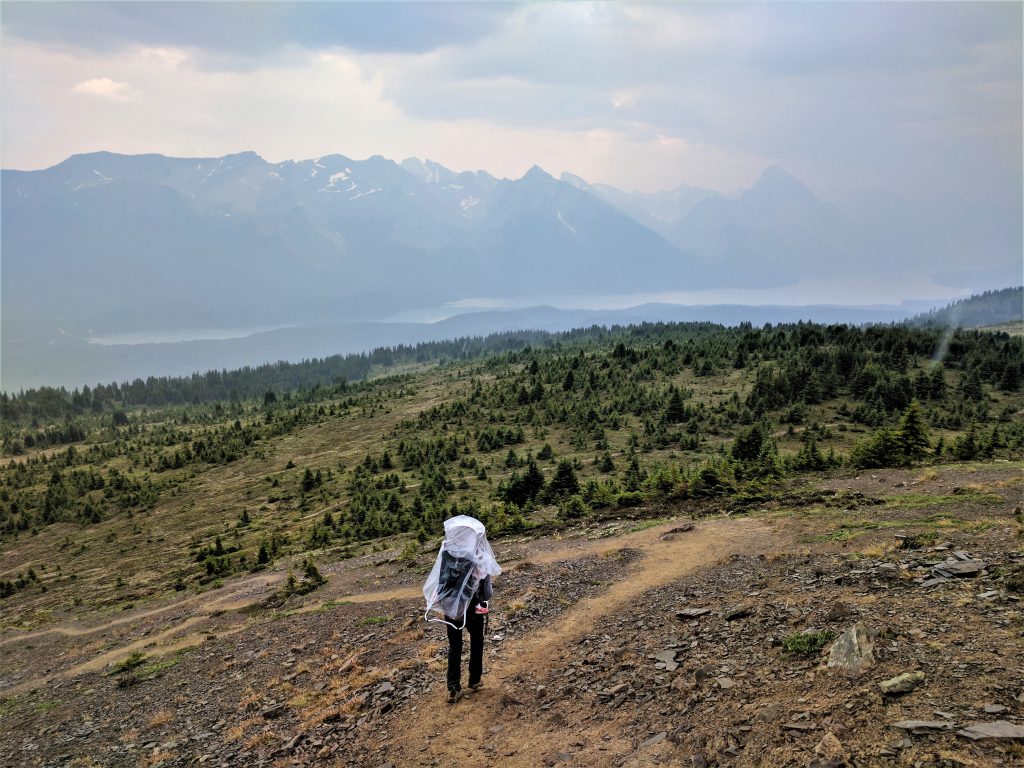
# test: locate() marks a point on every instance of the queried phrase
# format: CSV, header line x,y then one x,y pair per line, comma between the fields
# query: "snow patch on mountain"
x,y
364,194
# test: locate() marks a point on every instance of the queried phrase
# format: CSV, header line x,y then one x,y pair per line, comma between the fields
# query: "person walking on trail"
x,y
458,593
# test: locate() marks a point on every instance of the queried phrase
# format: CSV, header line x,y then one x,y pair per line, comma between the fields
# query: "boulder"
x,y
853,651
900,684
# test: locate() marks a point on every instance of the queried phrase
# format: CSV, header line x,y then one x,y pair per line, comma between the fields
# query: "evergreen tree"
x,y
1010,380
966,447
675,411
747,445
882,449
937,382
564,483
912,434
971,386
635,476
308,481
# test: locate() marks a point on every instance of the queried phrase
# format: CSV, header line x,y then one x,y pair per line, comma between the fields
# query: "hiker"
x,y
458,592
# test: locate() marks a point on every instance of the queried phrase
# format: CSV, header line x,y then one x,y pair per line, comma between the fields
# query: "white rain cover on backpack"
x,y
463,561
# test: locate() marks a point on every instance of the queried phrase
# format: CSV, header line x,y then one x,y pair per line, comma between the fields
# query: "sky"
x,y
915,99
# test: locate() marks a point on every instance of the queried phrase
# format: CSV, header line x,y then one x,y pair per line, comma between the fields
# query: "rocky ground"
x,y
876,621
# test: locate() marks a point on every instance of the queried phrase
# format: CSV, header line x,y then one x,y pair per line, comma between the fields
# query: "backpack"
x,y
464,562
456,584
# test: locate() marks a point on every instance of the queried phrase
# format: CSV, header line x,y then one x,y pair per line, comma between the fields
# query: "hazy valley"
x,y
330,251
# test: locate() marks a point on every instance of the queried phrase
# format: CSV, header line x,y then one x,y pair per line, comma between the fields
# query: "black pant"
x,y
475,625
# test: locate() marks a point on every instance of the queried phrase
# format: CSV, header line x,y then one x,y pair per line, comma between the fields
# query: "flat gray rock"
x,y
655,739
691,613
668,658
960,568
739,611
1000,729
922,726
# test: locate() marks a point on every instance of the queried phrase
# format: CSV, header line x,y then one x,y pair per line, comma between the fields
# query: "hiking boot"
x,y
453,695
477,685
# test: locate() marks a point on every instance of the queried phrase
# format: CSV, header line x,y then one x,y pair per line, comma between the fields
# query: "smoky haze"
x,y
189,171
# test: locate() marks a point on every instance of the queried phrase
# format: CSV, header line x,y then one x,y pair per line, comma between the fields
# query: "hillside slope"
x,y
227,568
623,644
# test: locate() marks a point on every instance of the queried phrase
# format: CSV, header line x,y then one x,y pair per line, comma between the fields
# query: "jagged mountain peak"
x,y
536,173
427,170
775,180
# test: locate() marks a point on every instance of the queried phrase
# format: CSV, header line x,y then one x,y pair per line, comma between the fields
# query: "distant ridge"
x,y
981,309
73,361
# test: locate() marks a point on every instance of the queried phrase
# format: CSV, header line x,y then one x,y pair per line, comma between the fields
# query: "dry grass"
x,y
158,718
429,652
877,551
360,677
250,699
301,699
261,739
347,677
249,723
156,757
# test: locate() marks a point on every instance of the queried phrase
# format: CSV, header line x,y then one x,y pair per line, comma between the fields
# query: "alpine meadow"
x,y
716,463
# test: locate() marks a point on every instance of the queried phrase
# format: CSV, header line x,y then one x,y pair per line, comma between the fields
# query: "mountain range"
x,y
108,244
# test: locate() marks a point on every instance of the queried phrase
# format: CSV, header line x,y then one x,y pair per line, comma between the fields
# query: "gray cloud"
x,y
916,98
910,96
252,29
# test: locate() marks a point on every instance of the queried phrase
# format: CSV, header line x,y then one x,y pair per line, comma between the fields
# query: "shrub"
x,y
135,659
409,552
573,508
807,643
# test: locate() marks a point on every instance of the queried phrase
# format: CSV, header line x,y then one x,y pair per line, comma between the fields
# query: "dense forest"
x,y
50,403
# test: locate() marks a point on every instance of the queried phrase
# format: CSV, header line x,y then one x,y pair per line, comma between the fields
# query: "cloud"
x,y
914,98
105,88
167,55
886,95
254,29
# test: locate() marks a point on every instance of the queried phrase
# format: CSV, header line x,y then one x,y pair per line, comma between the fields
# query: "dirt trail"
x,y
245,591
233,596
454,735
155,644
662,562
